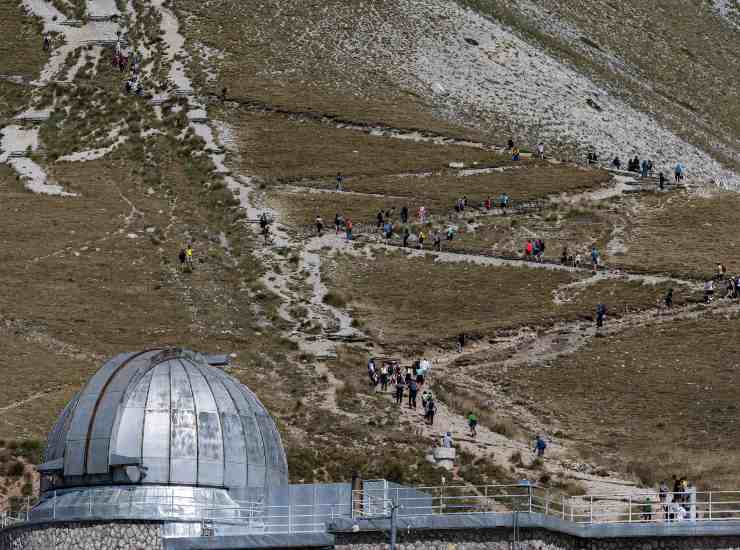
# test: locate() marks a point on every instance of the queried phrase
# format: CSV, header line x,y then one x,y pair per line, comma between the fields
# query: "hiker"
x,y
678,172
388,230
515,153
708,291
337,222
661,180
426,395
406,235
223,93
400,386
487,204
644,169
319,226
511,145
263,221
404,214
528,249
460,342
649,168
472,423
594,258
447,442
430,411
450,233
647,510
413,389
182,258
437,241
669,298
636,164
379,219
421,238
266,234
384,375
539,446
564,255
340,181
348,228
47,42
503,202
541,150
422,214
189,257
600,315
616,163
663,497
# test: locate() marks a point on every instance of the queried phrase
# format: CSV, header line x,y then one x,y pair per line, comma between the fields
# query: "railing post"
x,y
547,503
290,519
54,506
28,508
571,509
562,505
710,505
591,509
529,490
629,509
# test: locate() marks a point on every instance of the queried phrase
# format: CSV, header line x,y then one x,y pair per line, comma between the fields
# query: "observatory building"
x,y
162,447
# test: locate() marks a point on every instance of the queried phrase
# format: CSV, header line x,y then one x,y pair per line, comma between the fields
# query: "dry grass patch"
x,y
415,300
528,180
281,147
685,235
21,51
665,394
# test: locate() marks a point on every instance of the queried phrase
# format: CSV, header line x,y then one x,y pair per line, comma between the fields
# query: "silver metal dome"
x,y
165,417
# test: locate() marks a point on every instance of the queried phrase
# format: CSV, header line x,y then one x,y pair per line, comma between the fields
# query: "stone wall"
x,y
529,539
84,536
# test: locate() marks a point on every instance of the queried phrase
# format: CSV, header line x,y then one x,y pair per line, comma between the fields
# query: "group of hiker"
x,y
678,504
409,379
713,286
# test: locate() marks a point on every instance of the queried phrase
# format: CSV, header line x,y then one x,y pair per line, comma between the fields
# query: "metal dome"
x,y
165,417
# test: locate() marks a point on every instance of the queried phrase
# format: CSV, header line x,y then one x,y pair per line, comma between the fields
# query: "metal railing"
x,y
645,507
416,502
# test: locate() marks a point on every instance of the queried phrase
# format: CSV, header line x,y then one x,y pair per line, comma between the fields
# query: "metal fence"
x,y
377,500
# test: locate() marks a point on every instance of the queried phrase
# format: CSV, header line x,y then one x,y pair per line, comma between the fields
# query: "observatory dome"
x,y
165,417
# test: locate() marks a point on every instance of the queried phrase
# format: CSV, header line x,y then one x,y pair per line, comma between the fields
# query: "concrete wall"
x,y
529,539
84,536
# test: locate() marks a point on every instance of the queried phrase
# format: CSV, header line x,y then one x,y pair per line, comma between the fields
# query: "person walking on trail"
x,y
189,257
413,390
472,423
340,182
616,163
708,291
384,378
319,226
447,441
600,315
661,181
668,300
388,231
379,218
266,234
461,342
594,258
437,241
348,227
541,150
406,235
422,236
404,214
47,42
528,249
400,386
431,410
540,446
337,223
181,257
